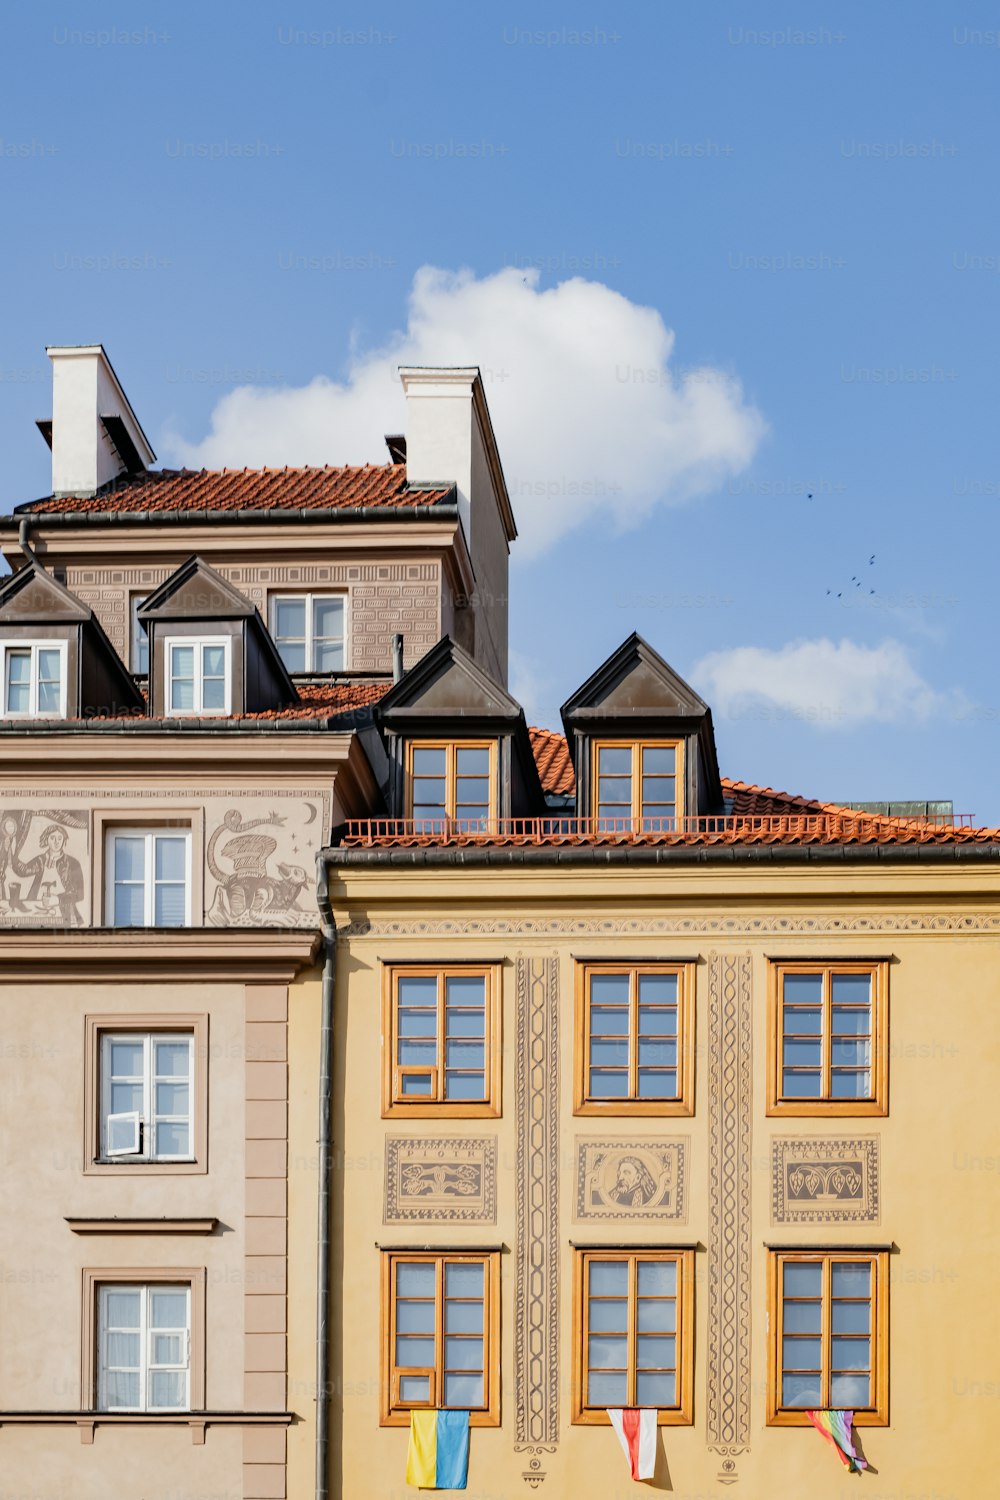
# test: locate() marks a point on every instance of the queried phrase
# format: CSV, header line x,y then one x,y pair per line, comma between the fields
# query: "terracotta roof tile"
x,y
320,701
252,489
552,757
746,797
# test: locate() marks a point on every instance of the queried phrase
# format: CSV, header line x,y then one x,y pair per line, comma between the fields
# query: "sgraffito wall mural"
x,y
257,853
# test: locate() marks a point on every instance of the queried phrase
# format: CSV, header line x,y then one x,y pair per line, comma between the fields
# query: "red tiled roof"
x,y
746,797
320,701
552,757
380,485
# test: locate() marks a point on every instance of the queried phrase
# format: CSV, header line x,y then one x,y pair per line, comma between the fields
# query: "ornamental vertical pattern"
x,y
730,1082
536,1304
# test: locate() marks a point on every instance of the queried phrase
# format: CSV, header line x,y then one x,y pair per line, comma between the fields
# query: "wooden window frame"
x,y
451,748
194,1277
877,1103
310,597
637,747
394,1414
681,1415
876,1415
393,1103
683,1105
96,1027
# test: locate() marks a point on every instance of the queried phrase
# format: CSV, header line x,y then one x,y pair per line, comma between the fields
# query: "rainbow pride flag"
x,y
438,1455
836,1426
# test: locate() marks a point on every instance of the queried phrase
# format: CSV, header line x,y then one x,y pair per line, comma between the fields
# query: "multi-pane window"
x,y
197,676
452,783
144,1347
148,878
34,679
441,1314
637,785
442,1051
634,1316
309,631
634,1046
140,640
828,1038
147,1100
828,1321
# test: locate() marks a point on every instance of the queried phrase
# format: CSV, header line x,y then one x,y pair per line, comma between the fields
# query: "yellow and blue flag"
x,y
438,1455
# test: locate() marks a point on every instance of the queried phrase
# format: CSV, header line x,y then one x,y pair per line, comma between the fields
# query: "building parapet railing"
x,y
739,828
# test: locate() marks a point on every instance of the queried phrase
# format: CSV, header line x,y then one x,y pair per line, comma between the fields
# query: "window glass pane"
x,y
169,857
658,989
412,1054
851,1391
801,1085
167,1388
468,989
656,1390
126,1059
802,1054
851,1054
657,1054
802,1020
48,665
803,1317
801,1354
123,1135
463,1354
848,988
659,760
803,1278
169,904
328,656
140,640
657,1278
608,1278
614,760
607,1351
126,1098
608,1020
129,906
658,790
171,1098
293,654
850,1085
463,1279
182,677
328,617
415,1279
470,1023
463,1317
614,793
657,1020
416,1085
122,1390
465,1086
417,989
130,858
464,1054
606,1085
18,666
851,1278
168,1309
610,1053
122,1309
606,1390
656,1352
803,989
173,1138
429,762
800,1391
213,661
172,1059
847,1317
472,791
463,1391
473,761
415,1388
290,618
856,1021
213,694
414,1353
610,1316
656,1085
849,1354
123,1350
167,1349
415,1317
657,1315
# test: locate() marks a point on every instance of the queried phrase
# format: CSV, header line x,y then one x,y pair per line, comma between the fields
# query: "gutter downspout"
x,y
323,1269
23,526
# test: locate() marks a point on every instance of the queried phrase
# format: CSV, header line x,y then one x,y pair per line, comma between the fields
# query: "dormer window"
x,y
638,785
198,675
452,782
34,679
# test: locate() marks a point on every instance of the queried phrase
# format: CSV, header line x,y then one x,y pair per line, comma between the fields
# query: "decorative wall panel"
x,y
816,1180
450,1178
635,1180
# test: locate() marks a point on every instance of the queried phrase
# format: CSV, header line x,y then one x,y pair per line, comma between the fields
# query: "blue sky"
x,y
804,195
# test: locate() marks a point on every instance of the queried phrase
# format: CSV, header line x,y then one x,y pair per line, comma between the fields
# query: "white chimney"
x,y
449,440
95,435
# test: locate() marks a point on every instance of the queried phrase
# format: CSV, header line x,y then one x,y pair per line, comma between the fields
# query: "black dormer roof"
x,y
195,591
636,693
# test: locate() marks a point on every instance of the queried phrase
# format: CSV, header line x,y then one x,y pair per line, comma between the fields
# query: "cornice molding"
x,y
241,955
695,927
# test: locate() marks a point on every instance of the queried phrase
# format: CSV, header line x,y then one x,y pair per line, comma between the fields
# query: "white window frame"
x,y
147,1116
199,642
149,835
309,599
137,635
146,1334
34,646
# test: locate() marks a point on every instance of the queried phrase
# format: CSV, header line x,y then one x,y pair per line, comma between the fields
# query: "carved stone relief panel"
x,y
450,1178
44,865
816,1180
641,1179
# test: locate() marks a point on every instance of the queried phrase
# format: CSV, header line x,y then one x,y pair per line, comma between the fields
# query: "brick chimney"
x,y
94,434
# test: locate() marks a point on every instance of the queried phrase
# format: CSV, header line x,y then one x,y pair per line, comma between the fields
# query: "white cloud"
x,y
821,682
590,418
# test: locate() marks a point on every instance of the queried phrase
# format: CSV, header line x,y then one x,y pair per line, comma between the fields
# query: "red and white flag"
x,y
636,1429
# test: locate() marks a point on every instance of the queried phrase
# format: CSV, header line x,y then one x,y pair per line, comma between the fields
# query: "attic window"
x,y
34,679
198,676
638,785
451,782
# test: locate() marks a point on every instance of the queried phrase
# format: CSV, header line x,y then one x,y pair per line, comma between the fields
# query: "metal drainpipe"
x,y
323,1269
23,526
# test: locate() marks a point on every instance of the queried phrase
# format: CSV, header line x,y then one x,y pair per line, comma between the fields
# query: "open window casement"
x,y
124,1134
